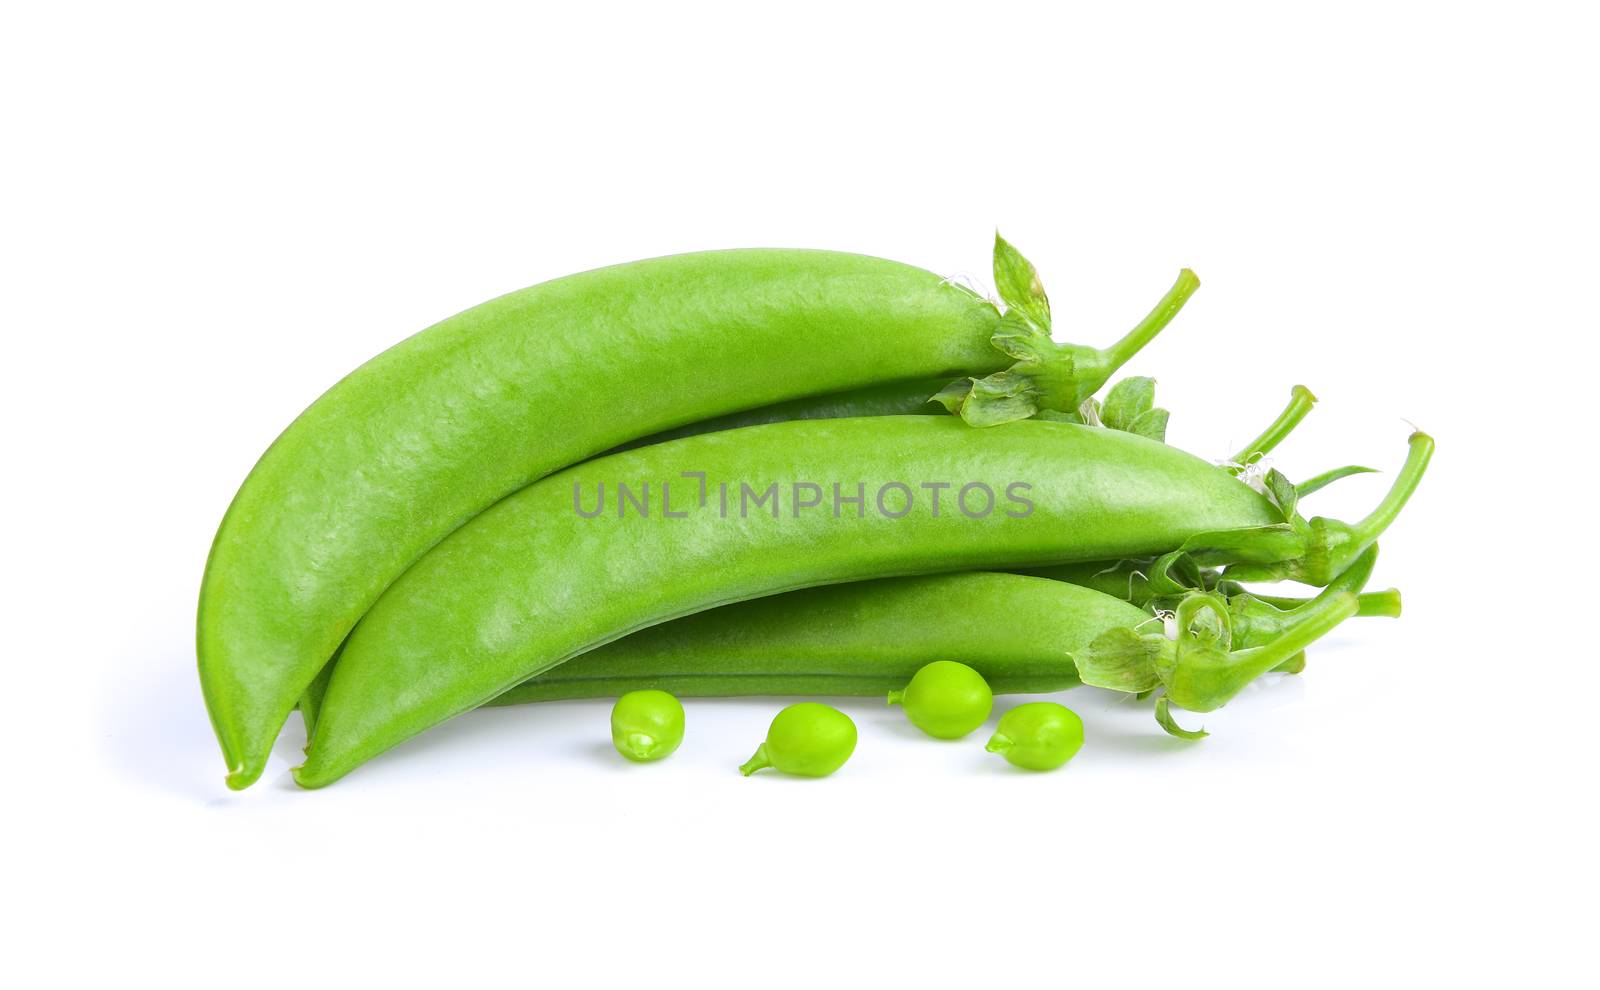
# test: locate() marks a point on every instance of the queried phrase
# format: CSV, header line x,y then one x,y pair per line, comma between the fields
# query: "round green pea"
x,y
946,699
647,725
807,740
1041,735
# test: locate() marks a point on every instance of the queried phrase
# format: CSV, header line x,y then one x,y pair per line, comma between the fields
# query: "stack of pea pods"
x,y
759,473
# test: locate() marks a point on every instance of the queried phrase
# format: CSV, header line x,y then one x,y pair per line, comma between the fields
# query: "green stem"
x,y
1379,604
1318,619
1331,545
1300,402
756,762
1367,531
1118,354
999,743
895,697
1373,604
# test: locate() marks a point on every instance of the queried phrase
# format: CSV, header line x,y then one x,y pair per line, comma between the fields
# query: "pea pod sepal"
x,y
1047,377
1199,668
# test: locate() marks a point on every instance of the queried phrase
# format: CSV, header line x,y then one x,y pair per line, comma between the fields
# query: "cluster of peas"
x,y
945,699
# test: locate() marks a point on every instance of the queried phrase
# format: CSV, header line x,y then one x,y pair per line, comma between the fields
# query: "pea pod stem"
x,y
1047,376
1367,531
1121,352
1300,402
1371,604
1203,676
1317,620
1202,673
1093,368
1318,550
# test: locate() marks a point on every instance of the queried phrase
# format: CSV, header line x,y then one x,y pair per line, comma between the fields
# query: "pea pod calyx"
x,y
1200,668
1048,377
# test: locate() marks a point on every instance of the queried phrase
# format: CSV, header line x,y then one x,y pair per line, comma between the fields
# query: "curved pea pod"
x,y
548,574
865,638
901,398
426,435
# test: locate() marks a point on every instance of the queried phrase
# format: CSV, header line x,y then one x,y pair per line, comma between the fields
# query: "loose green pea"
x,y
1041,735
946,699
807,740
647,725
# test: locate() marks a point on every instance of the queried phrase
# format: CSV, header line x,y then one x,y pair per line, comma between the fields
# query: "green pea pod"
x,y
532,582
861,639
908,398
429,433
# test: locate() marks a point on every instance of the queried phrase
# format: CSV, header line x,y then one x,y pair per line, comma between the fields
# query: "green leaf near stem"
x,y
1127,401
954,395
1327,478
1130,407
1263,544
1174,574
1282,492
1003,397
1167,722
1051,378
1019,285
1120,659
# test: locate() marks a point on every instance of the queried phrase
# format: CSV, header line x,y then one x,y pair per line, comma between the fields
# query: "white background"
x,y
212,213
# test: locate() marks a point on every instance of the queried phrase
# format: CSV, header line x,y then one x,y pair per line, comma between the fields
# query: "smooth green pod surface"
x,y
907,398
426,435
534,581
864,638
647,725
